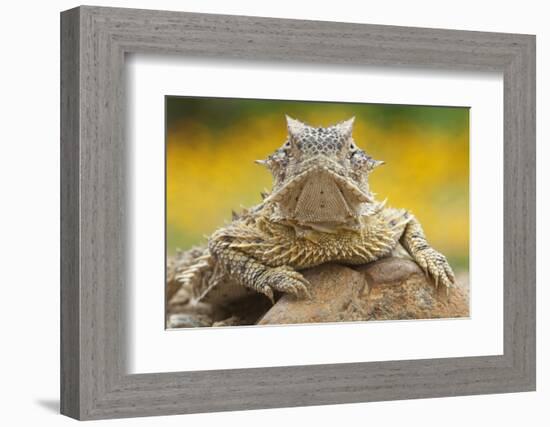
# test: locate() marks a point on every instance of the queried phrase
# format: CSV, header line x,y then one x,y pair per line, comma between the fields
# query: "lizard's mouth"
x,y
320,196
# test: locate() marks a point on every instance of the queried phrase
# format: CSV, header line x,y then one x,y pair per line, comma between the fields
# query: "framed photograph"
x,y
262,213
321,199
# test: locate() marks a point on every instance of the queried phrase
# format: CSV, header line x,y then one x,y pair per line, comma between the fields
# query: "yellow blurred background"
x,y
211,145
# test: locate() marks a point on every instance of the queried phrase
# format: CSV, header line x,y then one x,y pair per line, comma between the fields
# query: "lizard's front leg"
x,y
431,261
248,271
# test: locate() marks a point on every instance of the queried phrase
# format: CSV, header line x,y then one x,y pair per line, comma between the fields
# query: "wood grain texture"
x,y
70,292
94,200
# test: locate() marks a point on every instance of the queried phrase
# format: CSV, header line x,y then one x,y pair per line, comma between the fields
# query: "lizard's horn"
x,y
346,127
371,164
294,126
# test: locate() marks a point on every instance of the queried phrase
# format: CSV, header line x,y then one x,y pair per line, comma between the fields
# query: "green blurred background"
x,y
211,145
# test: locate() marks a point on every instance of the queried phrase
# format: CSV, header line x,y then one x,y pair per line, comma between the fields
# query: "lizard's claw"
x,y
436,266
268,292
284,279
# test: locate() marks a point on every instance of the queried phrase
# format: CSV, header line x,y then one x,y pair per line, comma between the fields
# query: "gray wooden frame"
x,y
94,41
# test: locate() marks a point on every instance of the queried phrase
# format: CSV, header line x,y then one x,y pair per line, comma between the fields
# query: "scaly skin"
x,y
320,210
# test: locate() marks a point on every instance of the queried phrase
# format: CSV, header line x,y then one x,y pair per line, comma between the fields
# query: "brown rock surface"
x,y
398,289
335,291
389,289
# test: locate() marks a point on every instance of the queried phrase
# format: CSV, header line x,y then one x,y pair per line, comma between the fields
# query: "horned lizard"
x,y
319,210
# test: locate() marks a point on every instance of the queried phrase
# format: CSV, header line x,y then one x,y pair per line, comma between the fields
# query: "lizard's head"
x,y
320,175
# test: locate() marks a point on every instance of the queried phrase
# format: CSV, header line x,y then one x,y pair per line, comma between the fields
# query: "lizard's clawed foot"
x,y
283,279
436,266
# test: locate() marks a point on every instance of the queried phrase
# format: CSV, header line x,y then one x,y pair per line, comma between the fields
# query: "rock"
x,y
398,289
181,313
388,289
335,292
184,320
389,271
